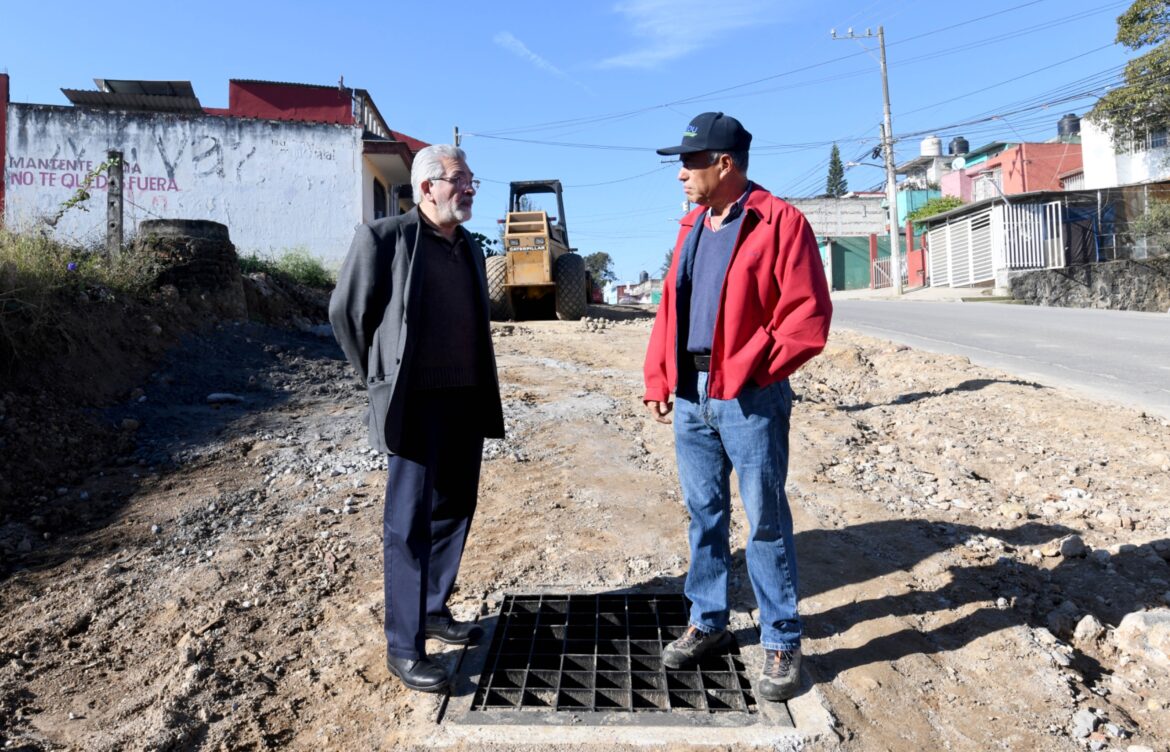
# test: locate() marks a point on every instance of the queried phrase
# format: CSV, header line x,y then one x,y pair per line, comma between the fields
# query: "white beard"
x,y
453,213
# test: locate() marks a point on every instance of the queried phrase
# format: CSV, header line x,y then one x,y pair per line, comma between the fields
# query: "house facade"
x,y
1024,168
1004,168
283,166
987,242
1107,166
852,219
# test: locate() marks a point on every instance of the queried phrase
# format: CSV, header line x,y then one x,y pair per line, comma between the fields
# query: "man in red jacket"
x,y
745,304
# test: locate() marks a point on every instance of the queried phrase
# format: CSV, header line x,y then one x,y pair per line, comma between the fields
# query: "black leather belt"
x,y
702,362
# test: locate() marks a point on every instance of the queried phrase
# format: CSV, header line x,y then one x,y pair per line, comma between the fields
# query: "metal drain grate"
x,y
602,653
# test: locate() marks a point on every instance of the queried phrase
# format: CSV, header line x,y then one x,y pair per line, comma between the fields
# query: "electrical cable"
x,y
596,119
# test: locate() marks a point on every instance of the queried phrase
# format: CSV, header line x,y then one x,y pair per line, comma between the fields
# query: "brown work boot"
x,y
694,643
781,676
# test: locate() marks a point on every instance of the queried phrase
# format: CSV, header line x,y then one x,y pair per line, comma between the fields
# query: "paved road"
x,y
1118,356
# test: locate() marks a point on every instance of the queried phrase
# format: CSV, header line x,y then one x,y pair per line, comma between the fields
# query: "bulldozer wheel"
x,y
498,295
569,274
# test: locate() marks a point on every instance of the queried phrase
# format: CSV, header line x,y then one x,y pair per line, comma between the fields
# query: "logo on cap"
x,y
691,131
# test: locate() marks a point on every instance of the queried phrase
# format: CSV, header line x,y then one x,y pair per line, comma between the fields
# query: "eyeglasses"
x,y
460,183
699,160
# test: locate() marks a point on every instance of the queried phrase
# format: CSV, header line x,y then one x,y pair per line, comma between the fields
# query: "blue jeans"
x,y
750,434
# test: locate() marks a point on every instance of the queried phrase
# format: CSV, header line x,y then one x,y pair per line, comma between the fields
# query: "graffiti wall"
x,y
277,185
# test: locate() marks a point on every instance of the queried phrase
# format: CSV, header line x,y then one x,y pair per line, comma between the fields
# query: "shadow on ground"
x,y
832,559
174,424
971,385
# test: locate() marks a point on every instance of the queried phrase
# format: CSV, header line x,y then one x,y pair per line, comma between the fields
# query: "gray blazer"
x,y
377,295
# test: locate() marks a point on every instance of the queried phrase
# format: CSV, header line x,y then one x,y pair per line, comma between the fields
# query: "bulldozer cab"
x,y
527,188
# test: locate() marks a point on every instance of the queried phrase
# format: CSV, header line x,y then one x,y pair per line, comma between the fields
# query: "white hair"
x,y
428,165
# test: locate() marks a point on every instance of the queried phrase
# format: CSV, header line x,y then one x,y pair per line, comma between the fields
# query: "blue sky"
x,y
585,92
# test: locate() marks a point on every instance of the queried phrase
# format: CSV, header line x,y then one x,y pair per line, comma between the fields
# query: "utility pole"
x,y
456,139
888,151
114,204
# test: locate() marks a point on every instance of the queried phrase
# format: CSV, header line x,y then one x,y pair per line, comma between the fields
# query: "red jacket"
x,y
774,308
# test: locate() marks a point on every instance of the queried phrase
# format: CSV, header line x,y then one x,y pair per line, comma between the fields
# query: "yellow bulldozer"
x,y
538,274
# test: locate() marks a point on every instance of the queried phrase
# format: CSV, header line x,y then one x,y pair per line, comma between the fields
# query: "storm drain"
x,y
603,653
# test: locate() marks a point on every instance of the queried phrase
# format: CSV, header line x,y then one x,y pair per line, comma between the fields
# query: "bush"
x,y
934,206
297,265
38,274
34,269
1154,227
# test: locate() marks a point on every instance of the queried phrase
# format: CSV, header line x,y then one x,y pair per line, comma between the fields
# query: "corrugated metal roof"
x,y
286,83
151,88
133,102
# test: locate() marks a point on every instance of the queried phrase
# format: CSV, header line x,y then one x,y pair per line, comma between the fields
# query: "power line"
x,y
566,144
790,148
620,180
592,185
950,50
1096,84
627,213
597,119
1008,81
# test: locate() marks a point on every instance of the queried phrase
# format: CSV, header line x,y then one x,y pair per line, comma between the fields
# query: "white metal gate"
x,y
970,250
1033,236
881,274
961,252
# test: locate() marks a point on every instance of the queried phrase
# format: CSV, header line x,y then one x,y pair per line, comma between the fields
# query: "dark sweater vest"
x,y
447,351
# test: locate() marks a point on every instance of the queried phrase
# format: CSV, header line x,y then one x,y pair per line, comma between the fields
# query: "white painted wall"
x,y
1105,168
1097,153
844,217
276,185
366,186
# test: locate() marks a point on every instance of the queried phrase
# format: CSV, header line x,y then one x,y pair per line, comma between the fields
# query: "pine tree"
x,y
835,184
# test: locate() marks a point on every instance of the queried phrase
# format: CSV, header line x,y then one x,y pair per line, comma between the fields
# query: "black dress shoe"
x,y
422,675
454,632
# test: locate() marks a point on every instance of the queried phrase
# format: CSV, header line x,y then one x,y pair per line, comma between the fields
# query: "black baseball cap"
x,y
712,131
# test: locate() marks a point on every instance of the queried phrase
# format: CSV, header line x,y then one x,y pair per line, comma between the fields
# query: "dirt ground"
x,y
969,545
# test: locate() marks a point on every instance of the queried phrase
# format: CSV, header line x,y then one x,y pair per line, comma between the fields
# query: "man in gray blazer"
x,y
410,311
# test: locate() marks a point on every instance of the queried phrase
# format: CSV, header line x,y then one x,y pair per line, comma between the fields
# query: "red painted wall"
x,y
873,253
277,101
916,268
1034,167
3,139
915,258
1046,162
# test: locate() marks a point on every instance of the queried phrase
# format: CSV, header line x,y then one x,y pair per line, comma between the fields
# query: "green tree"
x,y
835,184
600,266
1142,104
490,246
1154,227
936,205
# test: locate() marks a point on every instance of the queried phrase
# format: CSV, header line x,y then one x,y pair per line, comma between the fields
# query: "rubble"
x,y
1145,636
222,583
